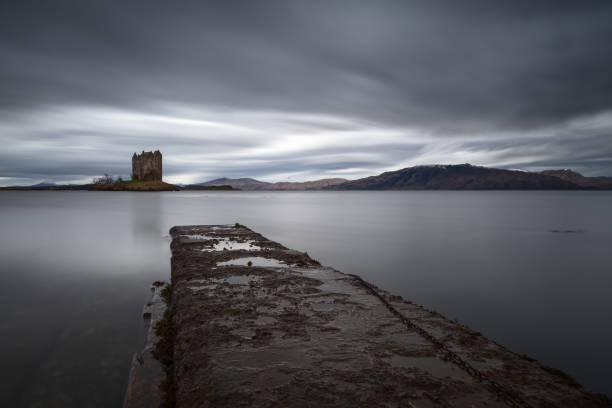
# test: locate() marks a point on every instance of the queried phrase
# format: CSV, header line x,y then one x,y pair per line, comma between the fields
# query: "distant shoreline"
x,y
224,188
141,186
434,177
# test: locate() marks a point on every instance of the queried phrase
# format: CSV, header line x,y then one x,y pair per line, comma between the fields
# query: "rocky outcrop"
x,y
146,373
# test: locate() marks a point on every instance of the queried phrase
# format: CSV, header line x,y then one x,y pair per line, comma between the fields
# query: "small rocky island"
x,y
146,175
246,321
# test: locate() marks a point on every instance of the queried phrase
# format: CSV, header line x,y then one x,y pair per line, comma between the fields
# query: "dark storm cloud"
x,y
431,68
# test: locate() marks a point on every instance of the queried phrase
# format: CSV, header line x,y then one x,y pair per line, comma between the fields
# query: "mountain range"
x,y
433,177
438,177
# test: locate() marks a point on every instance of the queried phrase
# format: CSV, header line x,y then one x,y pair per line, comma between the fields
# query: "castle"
x,y
147,166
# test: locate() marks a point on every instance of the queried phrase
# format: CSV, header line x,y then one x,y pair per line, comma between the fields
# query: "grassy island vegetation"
x,y
135,185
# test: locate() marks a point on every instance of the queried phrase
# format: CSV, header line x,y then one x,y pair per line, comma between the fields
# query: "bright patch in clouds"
x,y
201,144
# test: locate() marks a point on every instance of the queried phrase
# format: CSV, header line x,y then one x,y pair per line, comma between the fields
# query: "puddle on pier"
x,y
226,244
255,261
198,236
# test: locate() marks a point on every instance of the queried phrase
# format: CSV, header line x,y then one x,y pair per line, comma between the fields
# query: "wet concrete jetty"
x,y
253,323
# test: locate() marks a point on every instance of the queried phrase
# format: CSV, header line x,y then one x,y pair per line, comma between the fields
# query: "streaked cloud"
x,y
293,90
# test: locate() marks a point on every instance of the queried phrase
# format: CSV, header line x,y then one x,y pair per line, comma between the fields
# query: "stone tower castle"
x,y
147,166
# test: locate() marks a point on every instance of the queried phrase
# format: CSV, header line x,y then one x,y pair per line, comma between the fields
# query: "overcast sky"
x,y
297,90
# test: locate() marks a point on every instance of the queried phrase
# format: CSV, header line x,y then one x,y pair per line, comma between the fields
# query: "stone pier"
x,y
256,324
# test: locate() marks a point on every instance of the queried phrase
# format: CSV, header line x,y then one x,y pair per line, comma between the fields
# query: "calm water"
x,y
76,266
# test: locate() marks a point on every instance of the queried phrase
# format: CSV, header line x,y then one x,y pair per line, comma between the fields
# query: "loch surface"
x,y
530,270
